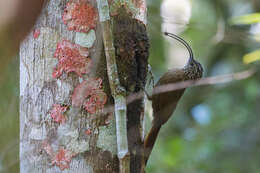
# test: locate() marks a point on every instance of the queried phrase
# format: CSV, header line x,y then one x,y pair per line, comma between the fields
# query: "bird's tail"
x,y
150,141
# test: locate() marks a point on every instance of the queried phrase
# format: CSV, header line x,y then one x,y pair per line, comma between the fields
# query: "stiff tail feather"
x,y
150,141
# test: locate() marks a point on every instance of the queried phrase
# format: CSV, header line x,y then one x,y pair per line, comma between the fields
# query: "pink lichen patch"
x,y
88,132
57,113
96,101
89,95
80,16
62,159
71,58
79,94
83,90
36,33
94,83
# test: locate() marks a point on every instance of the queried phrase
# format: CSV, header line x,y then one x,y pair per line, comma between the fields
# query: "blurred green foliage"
x,y
214,129
246,19
9,118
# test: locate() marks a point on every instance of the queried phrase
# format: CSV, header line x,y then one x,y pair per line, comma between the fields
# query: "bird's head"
x,y
193,69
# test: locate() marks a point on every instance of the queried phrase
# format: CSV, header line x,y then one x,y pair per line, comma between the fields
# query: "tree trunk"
x,y
65,120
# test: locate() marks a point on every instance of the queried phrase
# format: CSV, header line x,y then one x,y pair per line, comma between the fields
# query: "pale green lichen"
x,y
66,133
106,138
69,137
76,146
85,39
103,10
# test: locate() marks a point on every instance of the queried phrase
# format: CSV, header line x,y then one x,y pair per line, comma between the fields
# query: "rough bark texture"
x,y
85,142
131,43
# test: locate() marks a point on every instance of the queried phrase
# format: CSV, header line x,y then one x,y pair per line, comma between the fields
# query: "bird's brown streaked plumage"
x,y
164,104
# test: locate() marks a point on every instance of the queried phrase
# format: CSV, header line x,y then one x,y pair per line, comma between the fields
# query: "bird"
x,y
164,103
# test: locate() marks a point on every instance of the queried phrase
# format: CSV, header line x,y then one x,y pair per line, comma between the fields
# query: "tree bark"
x,y
58,132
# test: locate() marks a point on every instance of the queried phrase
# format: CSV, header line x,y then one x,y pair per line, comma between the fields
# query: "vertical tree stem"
x,y
117,91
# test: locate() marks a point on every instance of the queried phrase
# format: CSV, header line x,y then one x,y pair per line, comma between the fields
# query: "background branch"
x,y
191,83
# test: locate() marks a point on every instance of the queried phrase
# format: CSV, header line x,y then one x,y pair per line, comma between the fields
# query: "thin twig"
x,y
204,81
191,83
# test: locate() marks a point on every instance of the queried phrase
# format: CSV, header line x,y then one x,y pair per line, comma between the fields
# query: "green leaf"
x,y
246,19
251,57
